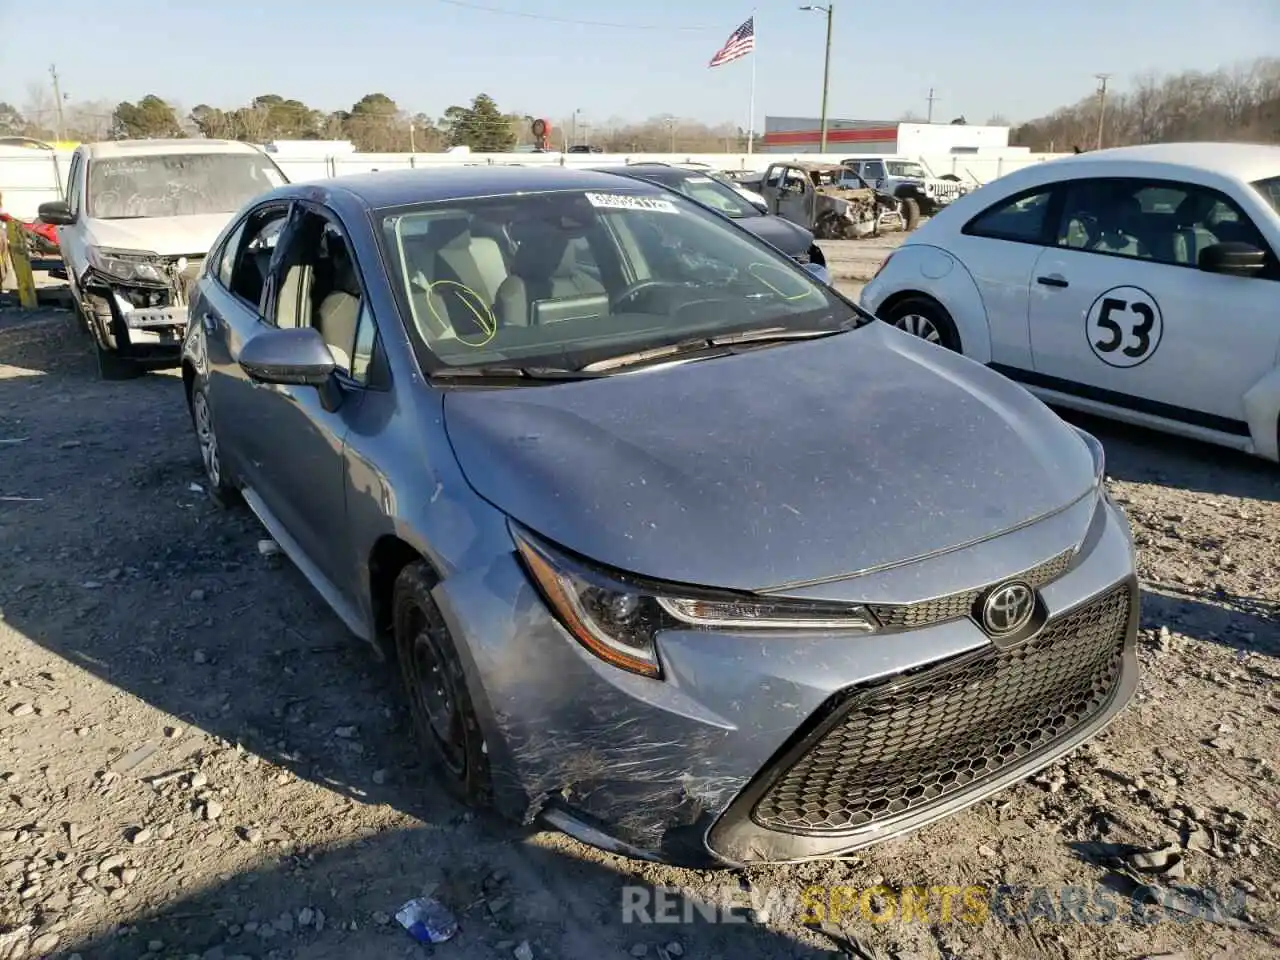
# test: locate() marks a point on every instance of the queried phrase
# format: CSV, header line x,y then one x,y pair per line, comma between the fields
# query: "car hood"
x,y
807,461
167,236
791,238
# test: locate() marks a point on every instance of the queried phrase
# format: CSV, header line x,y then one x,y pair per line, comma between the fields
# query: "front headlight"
x,y
617,617
127,265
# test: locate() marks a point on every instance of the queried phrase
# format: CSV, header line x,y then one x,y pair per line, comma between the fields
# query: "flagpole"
x,y
751,111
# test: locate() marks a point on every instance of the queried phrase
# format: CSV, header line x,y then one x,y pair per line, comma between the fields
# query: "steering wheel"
x,y
634,290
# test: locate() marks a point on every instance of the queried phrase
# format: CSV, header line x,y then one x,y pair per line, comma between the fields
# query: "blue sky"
x,y
982,56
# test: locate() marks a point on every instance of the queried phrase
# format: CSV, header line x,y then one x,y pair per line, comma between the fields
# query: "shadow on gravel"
x,y
113,558
1139,455
304,907
1245,624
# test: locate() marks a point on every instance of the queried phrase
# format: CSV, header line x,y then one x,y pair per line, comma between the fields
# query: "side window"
x,y
319,286
873,170
252,255
365,344
227,256
1163,221
73,182
1020,219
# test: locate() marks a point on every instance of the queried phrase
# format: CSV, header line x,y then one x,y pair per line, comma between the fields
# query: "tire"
x,y
219,483
925,318
112,366
910,213
444,716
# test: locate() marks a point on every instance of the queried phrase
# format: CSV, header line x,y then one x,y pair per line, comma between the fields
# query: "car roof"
x,y
393,188
655,170
1240,161
146,148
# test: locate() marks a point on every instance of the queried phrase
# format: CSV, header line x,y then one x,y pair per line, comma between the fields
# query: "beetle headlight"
x,y
127,265
617,616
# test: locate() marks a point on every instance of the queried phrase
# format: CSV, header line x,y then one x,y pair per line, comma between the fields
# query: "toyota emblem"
x,y
1008,608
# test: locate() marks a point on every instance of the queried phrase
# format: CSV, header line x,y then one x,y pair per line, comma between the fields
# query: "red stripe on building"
x,y
781,138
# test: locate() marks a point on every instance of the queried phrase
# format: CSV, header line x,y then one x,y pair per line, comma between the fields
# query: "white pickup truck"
x,y
137,222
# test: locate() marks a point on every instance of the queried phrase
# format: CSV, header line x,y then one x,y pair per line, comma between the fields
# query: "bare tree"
x,y
1240,102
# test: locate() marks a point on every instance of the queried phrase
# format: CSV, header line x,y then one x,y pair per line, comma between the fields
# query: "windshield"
x,y
1270,190
905,168
570,277
177,184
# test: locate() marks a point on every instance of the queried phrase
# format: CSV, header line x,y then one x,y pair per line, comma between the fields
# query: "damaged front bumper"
x,y
786,746
140,319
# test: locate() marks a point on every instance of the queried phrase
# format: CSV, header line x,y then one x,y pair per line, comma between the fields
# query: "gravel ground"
x,y
197,761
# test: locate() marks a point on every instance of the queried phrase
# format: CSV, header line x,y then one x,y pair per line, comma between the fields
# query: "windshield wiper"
x,y
511,373
643,356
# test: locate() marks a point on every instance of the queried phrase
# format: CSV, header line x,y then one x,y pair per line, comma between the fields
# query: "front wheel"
x,y
443,715
924,318
910,213
222,490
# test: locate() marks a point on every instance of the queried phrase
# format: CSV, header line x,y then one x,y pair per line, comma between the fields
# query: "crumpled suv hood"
x,y
787,464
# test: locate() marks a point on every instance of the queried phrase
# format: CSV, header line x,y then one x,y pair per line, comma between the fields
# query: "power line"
x,y
568,20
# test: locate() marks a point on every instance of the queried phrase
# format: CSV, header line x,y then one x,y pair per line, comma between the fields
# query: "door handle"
x,y
210,322
1053,280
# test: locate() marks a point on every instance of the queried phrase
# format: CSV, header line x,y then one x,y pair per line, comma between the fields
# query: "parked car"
x,y
1138,283
791,238
637,507
134,230
819,197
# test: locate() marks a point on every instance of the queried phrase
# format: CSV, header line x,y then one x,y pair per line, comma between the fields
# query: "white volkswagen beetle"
x,y
1139,283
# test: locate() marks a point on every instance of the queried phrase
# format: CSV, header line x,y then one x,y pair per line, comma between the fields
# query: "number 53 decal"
x,y
1124,326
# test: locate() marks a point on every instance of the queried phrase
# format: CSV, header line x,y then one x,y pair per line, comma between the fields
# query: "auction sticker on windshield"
x,y
618,201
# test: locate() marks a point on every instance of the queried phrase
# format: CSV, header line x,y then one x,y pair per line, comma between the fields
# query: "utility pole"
x,y
1102,103
671,129
573,136
829,10
413,147
57,99
930,98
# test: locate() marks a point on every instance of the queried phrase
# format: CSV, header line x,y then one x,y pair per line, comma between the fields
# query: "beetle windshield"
x,y
1270,190
568,277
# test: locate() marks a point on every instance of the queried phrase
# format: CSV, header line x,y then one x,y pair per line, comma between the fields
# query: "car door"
x,y
1121,313
999,248
300,430
873,171
229,309
795,197
71,242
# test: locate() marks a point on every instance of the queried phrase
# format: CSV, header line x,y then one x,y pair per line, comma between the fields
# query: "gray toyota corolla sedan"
x,y
676,550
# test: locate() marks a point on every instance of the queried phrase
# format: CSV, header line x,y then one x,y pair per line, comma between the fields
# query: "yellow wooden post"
x,y
21,266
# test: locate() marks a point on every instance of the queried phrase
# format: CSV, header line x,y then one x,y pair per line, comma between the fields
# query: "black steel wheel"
x,y
435,683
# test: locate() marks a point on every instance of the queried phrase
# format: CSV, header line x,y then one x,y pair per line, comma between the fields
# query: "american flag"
x,y
741,42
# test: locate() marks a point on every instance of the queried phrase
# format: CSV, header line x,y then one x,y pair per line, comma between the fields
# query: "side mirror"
x,y
819,273
1234,259
293,357
56,212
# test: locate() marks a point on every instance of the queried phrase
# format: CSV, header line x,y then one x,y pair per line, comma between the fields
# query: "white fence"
x,y
30,177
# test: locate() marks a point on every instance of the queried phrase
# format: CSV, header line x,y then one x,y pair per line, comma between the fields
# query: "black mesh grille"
x,y
909,744
957,605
